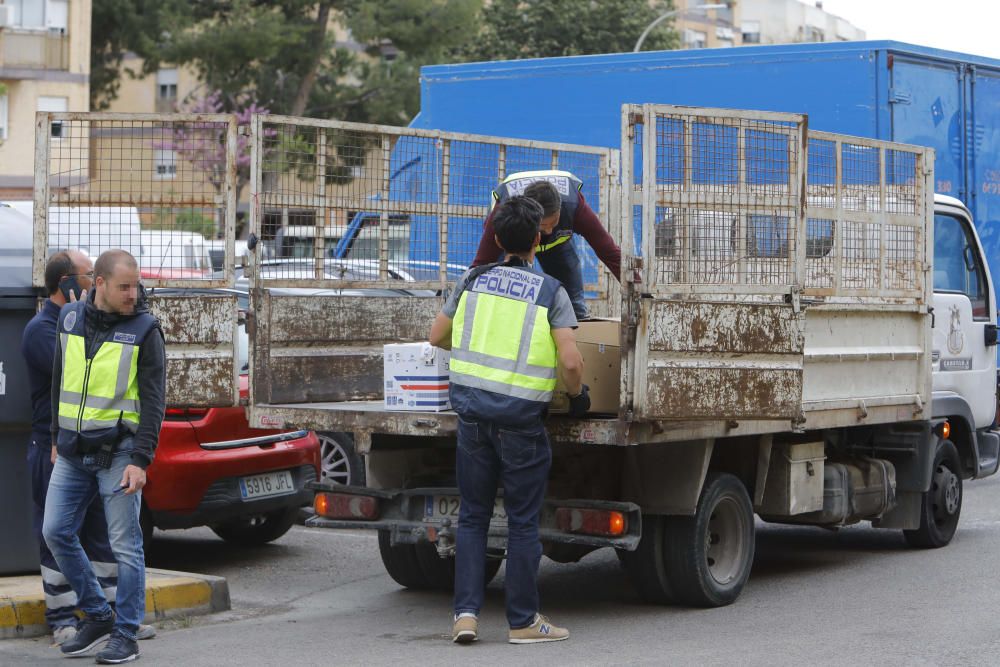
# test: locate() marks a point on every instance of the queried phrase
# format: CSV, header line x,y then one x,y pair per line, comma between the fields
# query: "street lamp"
x,y
673,12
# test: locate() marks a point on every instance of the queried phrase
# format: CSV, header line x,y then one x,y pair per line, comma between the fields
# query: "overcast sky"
x,y
966,26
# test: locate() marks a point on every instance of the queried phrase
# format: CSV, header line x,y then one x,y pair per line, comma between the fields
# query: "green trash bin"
x,y
18,301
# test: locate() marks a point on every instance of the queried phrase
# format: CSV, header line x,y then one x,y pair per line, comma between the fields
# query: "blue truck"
x,y
878,89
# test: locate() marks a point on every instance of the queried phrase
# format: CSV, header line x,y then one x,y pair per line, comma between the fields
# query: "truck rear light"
x,y
346,506
591,522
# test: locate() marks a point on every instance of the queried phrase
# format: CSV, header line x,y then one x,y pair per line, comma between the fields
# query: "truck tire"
x,y
709,555
401,562
440,572
647,565
941,505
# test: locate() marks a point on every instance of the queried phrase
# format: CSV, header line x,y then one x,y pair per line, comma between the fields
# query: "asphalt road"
x,y
857,596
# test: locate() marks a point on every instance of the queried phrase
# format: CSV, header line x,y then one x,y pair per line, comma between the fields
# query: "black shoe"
x,y
89,634
119,649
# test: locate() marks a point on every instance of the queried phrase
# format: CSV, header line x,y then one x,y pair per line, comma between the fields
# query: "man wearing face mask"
x,y
565,212
108,391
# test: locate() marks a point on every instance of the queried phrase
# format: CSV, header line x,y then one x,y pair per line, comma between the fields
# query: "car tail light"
x,y
591,522
346,506
185,414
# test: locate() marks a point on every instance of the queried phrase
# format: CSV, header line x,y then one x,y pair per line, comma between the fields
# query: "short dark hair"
x,y
58,267
545,194
109,259
516,223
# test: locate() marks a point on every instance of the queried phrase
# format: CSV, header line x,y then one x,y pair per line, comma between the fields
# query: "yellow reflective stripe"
x,y
104,370
74,363
105,414
495,314
458,323
542,351
548,246
501,376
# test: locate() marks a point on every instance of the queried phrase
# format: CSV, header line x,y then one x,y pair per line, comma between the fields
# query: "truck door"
x,y
964,353
106,181
712,277
413,203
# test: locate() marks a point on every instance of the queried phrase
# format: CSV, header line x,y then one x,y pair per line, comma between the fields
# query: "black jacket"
x,y
151,375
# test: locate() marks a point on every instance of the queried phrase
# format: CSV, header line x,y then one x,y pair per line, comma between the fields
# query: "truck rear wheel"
x,y
401,562
440,572
941,505
703,560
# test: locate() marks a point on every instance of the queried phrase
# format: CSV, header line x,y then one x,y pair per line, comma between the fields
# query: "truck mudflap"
x,y
431,515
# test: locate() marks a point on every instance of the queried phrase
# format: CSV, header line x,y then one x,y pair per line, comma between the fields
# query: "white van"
x,y
92,229
170,254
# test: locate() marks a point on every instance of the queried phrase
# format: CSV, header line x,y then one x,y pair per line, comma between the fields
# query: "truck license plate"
x,y
446,507
267,484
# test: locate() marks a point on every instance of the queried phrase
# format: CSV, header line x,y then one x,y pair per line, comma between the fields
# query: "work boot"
x,y
89,634
119,649
465,630
145,632
539,631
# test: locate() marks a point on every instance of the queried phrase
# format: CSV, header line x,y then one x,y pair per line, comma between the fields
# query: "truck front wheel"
x,y
703,560
940,505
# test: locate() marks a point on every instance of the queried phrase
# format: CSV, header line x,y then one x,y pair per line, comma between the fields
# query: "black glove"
x,y
579,404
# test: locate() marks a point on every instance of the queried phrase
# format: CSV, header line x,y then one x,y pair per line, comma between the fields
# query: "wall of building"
x,y
707,28
792,21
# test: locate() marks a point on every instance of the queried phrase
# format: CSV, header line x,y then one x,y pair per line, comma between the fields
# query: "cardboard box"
x,y
598,341
415,377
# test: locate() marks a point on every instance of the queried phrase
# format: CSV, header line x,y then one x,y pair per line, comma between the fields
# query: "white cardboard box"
x,y
415,377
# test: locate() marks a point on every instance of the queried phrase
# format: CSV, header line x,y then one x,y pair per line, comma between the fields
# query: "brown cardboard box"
x,y
599,344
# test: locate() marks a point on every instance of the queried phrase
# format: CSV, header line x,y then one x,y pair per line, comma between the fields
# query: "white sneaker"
x,y
145,632
62,634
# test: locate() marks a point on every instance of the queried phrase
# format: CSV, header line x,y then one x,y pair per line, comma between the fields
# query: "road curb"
x,y
168,594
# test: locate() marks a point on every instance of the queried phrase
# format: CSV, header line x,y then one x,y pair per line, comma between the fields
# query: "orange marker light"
x,y
321,504
946,430
616,523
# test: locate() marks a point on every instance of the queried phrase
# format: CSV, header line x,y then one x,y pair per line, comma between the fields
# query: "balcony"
x,y
32,50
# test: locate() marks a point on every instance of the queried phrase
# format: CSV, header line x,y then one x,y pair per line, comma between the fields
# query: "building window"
x,y
54,105
40,14
751,32
165,161
695,39
814,34
166,86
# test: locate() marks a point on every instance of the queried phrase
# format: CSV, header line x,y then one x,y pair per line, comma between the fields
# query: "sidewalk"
x,y
168,594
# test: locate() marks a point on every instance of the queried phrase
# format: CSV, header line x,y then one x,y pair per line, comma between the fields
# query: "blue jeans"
x,y
75,482
60,600
563,264
519,458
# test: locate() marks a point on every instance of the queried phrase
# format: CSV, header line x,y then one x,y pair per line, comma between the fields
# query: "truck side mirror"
x,y
990,334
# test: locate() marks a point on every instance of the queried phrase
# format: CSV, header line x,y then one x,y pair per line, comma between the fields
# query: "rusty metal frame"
x,y
608,170
43,195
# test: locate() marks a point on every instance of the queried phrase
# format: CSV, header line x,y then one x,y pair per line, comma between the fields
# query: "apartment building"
x,y
708,24
792,21
44,66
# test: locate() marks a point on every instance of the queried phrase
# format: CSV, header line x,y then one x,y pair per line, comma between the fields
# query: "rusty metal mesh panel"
x,y
339,204
866,205
723,191
160,187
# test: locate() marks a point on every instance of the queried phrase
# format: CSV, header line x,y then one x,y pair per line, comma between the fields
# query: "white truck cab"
x,y
965,337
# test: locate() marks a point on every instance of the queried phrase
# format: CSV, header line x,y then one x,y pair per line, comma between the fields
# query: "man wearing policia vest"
x,y
565,212
108,386
509,328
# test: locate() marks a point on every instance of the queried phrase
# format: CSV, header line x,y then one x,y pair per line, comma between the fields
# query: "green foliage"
x,y
514,29
140,26
183,220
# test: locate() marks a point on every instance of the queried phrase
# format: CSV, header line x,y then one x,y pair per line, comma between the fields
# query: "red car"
x,y
211,469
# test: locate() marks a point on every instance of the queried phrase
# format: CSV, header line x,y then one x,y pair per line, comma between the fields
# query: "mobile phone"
x,y
70,285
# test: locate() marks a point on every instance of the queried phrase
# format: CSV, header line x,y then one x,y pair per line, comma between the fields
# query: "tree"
x,y
118,26
514,29
203,145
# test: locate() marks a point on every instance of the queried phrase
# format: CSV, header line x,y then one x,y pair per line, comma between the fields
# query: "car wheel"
x,y
340,464
257,529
